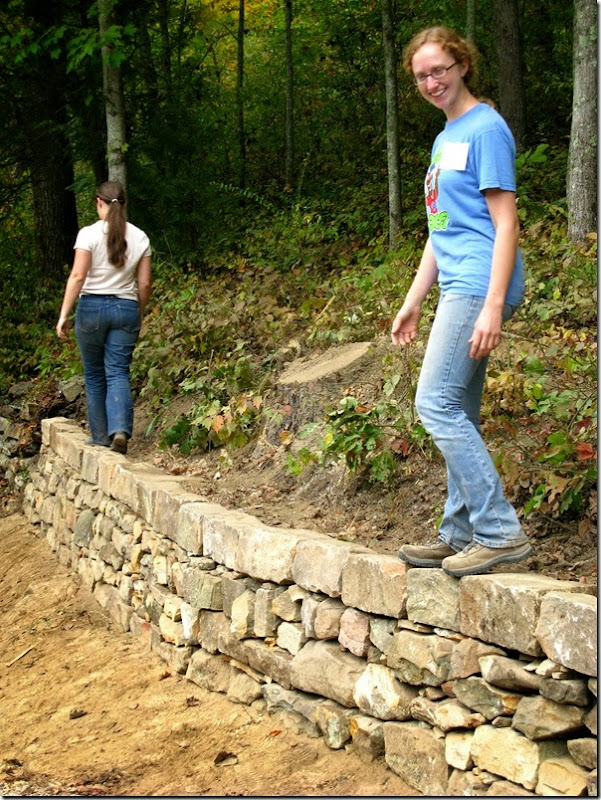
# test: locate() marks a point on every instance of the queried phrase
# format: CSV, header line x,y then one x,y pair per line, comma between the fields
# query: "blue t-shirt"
x,y
473,153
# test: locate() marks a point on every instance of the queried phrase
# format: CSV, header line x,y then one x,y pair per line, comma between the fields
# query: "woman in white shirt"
x,y
112,277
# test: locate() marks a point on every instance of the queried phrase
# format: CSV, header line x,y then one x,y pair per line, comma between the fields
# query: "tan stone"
x,y
375,583
323,669
379,693
420,658
491,701
458,745
561,775
445,714
504,608
433,598
354,632
318,564
511,755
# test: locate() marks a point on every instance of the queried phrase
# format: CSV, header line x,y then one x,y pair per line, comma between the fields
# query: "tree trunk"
x,y
506,18
289,165
392,124
48,153
582,159
113,97
165,47
240,99
470,20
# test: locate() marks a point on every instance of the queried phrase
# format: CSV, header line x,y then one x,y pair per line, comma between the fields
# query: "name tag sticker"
x,y
454,155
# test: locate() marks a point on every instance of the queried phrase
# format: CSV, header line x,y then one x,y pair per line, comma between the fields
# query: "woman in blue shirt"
x,y
472,252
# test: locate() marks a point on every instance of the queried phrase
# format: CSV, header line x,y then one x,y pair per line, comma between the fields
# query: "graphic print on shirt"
x,y
437,220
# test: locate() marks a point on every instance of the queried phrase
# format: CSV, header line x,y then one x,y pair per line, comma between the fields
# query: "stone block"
x,y
326,623
211,672
458,746
504,608
108,597
267,553
447,714
539,718
266,622
323,669
167,507
243,689
375,583
318,564
379,693
287,604
433,598
367,735
333,720
291,637
508,673
189,530
584,751
420,658
561,776
417,755
567,630
488,700
511,755
466,657
354,632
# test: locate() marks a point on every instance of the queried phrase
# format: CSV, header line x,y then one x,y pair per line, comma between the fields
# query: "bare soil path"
x,y
86,710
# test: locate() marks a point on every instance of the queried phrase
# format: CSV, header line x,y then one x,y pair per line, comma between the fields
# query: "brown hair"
x,y
111,192
462,50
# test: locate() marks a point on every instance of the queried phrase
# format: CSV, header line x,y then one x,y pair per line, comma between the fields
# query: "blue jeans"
x,y
449,395
106,329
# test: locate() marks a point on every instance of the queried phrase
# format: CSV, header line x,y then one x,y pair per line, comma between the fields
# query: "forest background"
x,y
275,151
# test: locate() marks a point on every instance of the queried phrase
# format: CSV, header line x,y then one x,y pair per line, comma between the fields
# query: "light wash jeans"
x,y
449,395
106,329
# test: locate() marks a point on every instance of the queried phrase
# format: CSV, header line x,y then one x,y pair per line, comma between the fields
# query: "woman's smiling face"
x,y
446,92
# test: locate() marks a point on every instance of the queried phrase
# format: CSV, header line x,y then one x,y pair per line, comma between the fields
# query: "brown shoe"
x,y
430,554
119,444
475,558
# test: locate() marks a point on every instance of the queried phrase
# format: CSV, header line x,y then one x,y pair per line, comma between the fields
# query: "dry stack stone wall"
x,y
484,686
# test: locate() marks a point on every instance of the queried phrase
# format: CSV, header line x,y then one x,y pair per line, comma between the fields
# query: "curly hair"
x,y
462,50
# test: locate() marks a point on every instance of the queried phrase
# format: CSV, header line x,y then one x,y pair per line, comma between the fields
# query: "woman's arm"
x,y
503,211
79,272
404,325
144,278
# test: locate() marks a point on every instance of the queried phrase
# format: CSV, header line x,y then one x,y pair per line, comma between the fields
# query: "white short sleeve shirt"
x,y
103,277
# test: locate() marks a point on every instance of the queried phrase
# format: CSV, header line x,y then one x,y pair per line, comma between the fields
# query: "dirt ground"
x,y
86,710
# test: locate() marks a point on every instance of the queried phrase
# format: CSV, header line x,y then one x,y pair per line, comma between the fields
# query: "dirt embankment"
x,y
87,710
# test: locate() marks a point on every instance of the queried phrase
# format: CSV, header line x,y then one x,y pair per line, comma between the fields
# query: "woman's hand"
x,y
404,325
487,332
61,327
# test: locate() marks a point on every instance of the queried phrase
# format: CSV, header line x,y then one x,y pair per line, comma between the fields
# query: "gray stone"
x,y
572,692
417,755
540,718
488,700
433,598
334,723
567,630
243,689
584,751
508,673
287,604
368,738
504,608
211,672
420,658
375,583
266,622
323,669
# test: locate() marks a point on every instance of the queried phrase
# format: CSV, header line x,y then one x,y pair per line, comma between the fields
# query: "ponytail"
x,y
111,192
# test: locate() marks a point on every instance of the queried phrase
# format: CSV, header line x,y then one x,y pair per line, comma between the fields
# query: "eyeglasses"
x,y
437,73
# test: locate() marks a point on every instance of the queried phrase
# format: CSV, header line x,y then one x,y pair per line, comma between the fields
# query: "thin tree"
x,y
289,163
470,20
392,123
508,40
240,99
582,158
113,97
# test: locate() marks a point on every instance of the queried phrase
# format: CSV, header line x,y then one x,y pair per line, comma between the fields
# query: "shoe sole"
x,y
420,562
119,444
493,562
